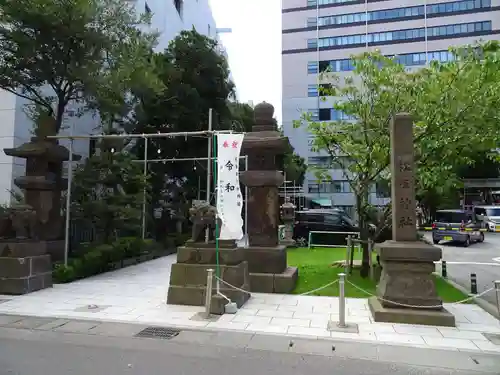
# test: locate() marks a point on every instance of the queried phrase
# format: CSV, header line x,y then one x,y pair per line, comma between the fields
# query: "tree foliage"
x,y
455,110
108,192
90,53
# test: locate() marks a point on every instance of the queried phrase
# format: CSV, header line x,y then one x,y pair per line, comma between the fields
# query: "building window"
x,y
407,34
408,59
312,43
312,67
312,91
402,13
147,9
313,3
178,6
313,114
312,22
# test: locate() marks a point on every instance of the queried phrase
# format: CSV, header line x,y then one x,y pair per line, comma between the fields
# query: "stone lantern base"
x,y
268,270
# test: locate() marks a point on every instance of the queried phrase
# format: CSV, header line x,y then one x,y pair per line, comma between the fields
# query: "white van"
x,y
489,216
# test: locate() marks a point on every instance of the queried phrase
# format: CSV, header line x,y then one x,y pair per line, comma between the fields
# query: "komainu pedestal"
x,y
188,278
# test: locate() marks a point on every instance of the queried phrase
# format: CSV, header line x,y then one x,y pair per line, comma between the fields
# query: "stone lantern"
x,y
288,217
265,148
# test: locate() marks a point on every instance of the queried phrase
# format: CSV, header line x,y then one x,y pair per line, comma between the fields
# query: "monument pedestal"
x,y
188,278
268,270
25,267
407,279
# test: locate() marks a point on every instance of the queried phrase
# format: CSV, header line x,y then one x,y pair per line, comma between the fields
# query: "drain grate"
x,y
159,333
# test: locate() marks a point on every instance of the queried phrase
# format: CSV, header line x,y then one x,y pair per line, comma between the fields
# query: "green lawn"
x,y
316,269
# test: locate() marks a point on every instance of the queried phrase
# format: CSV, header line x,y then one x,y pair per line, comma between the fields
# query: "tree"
x,y
108,191
454,105
195,75
85,52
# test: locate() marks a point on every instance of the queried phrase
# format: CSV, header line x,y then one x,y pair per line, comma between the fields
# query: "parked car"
x,y
323,220
489,216
457,226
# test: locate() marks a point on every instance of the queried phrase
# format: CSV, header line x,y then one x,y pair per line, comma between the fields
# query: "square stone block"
x,y
408,251
410,316
19,286
186,295
262,282
266,259
285,282
194,255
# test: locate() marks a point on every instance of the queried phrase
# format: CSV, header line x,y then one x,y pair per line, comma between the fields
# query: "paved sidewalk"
x,y
137,295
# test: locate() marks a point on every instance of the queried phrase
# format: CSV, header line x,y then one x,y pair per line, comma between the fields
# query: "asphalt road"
x,y
478,258
28,352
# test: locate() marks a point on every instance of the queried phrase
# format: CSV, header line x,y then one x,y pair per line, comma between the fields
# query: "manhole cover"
x,y
494,338
159,333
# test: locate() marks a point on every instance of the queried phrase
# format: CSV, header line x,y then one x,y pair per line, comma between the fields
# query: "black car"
x,y
456,226
323,220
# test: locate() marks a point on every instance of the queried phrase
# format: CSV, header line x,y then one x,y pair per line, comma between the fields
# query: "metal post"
x,y
444,270
68,203
208,293
348,253
497,290
247,242
370,260
209,167
342,301
473,283
145,172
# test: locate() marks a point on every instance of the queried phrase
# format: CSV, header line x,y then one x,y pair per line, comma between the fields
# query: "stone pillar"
x,y
288,218
407,264
265,148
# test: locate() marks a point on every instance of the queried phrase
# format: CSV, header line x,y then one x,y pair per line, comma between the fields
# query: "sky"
x,y
254,47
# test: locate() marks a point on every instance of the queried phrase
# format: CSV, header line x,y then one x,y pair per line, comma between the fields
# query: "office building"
x,y
323,34
169,17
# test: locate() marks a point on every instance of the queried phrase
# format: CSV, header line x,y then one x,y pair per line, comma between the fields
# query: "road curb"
x,y
485,305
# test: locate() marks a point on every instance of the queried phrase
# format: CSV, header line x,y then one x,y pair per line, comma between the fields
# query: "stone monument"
x,y
288,218
188,278
407,264
267,263
33,231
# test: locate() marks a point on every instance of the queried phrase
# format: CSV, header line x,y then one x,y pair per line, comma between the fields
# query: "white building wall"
x,y
16,126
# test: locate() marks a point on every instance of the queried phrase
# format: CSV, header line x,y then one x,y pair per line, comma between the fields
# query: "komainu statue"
x,y
24,221
203,215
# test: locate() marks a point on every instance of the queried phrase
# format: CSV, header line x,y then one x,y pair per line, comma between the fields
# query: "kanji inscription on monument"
x,y
403,179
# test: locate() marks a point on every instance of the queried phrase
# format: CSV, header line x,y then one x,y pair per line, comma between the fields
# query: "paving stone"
x,y
30,323
52,325
273,343
195,337
76,327
232,339
116,329
8,319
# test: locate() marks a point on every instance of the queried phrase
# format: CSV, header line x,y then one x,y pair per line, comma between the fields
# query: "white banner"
x,y
229,198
